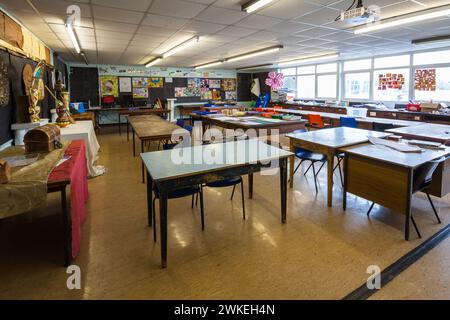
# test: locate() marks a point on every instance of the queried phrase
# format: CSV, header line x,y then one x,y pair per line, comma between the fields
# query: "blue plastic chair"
x,y
306,155
228,183
349,122
265,100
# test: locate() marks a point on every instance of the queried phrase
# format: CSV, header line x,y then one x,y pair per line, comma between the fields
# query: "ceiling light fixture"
x,y
207,65
73,37
254,53
445,38
181,46
254,5
153,62
255,67
412,17
84,57
310,59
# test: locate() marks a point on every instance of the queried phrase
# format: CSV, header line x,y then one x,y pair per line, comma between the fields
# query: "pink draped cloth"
x,y
74,170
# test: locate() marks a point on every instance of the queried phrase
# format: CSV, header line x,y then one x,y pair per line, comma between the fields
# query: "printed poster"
x,y
230,95
140,93
425,80
204,83
216,95
140,82
229,84
214,83
155,82
180,92
124,84
193,87
109,86
206,94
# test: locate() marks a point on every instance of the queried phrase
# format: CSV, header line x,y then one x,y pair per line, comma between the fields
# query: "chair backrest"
x,y
299,131
180,123
266,100
169,146
316,120
108,99
381,127
349,122
423,175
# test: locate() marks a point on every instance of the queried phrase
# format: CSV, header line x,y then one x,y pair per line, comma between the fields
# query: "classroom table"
x,y
328,142
153,128
427,131
257,123
242,157
139,112
384,175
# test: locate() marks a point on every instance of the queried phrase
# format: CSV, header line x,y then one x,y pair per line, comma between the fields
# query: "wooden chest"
x,y
43,139
5,171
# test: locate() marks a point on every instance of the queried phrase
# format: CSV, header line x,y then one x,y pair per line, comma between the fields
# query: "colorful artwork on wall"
x,y
230,95
125,84
214,83
206,94
109,86
391,81
204,83
425,80
216,95
229,84
140,93
140,82
193,87
156,82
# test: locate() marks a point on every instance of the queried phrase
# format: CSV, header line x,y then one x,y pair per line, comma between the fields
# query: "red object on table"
x,y
414,107
75,171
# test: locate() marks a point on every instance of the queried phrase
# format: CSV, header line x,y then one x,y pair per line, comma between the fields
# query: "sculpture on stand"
x,y
35,91
62,105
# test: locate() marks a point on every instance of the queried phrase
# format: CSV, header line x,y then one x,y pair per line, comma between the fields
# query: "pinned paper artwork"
x,y
180,92
109,86
140,82
206,94
230,95
140,93
155,82
216,95
214,83
425,80
391,81
229,84
125,84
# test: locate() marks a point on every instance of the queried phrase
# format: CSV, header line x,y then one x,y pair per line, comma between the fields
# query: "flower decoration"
x,y
275,80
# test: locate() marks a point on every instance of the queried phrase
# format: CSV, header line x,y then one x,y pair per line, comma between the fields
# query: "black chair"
x,y
382,127
422,178
228,183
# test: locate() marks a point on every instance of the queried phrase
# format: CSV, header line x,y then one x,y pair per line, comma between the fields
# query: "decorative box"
x,y
5,172
43,139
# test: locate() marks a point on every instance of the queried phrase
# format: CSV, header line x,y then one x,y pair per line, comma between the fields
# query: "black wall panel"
x,y
84,85
6,112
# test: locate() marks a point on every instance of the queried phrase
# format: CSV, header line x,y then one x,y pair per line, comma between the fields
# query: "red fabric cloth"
x,y
75,171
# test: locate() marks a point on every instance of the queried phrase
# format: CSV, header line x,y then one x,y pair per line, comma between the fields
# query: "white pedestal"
x,y
20,129
171,106
54,115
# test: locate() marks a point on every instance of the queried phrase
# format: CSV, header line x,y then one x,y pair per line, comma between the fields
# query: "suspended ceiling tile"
x,y
118,15
136,5
288,9
176,8
221,15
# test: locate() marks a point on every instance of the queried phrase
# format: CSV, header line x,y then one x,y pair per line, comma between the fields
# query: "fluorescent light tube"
x,y
437,39
254,53
153,62
207,65
310,59
182,46
426,15
73,37
252,6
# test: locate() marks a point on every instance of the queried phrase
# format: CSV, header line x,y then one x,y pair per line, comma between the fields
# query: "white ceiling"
x,y
134,31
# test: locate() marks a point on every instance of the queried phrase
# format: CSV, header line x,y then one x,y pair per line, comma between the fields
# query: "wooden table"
x,y
153,128
328,142
242,157
428,131
384,176
259,124
139,112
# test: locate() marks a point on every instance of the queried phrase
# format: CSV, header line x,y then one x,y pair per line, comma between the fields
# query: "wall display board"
x,y
109,86
229,84
140,93
140,82
394,81
156,82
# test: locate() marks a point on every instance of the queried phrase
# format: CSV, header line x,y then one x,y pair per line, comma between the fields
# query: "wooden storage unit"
x,y
441,180
43,139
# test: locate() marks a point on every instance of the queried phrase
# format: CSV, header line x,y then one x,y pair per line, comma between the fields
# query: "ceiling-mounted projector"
x,y
360,14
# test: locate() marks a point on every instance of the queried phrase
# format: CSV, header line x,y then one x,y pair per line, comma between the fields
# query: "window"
x,y
326,86
306,87
290,87
358,65
435,57
357,85
289,72
306,70
392,62
432,84
391,85
327,68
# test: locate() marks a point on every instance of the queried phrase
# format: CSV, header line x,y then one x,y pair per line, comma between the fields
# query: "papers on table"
x,y
20,161
395,145
427,144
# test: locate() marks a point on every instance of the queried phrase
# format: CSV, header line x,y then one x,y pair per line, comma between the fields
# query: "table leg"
x,y
344,190
283,188
250,185
291,165
149,199
163,226
142,162
408,206
330,162
128,130
134,142
118,122
67,229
